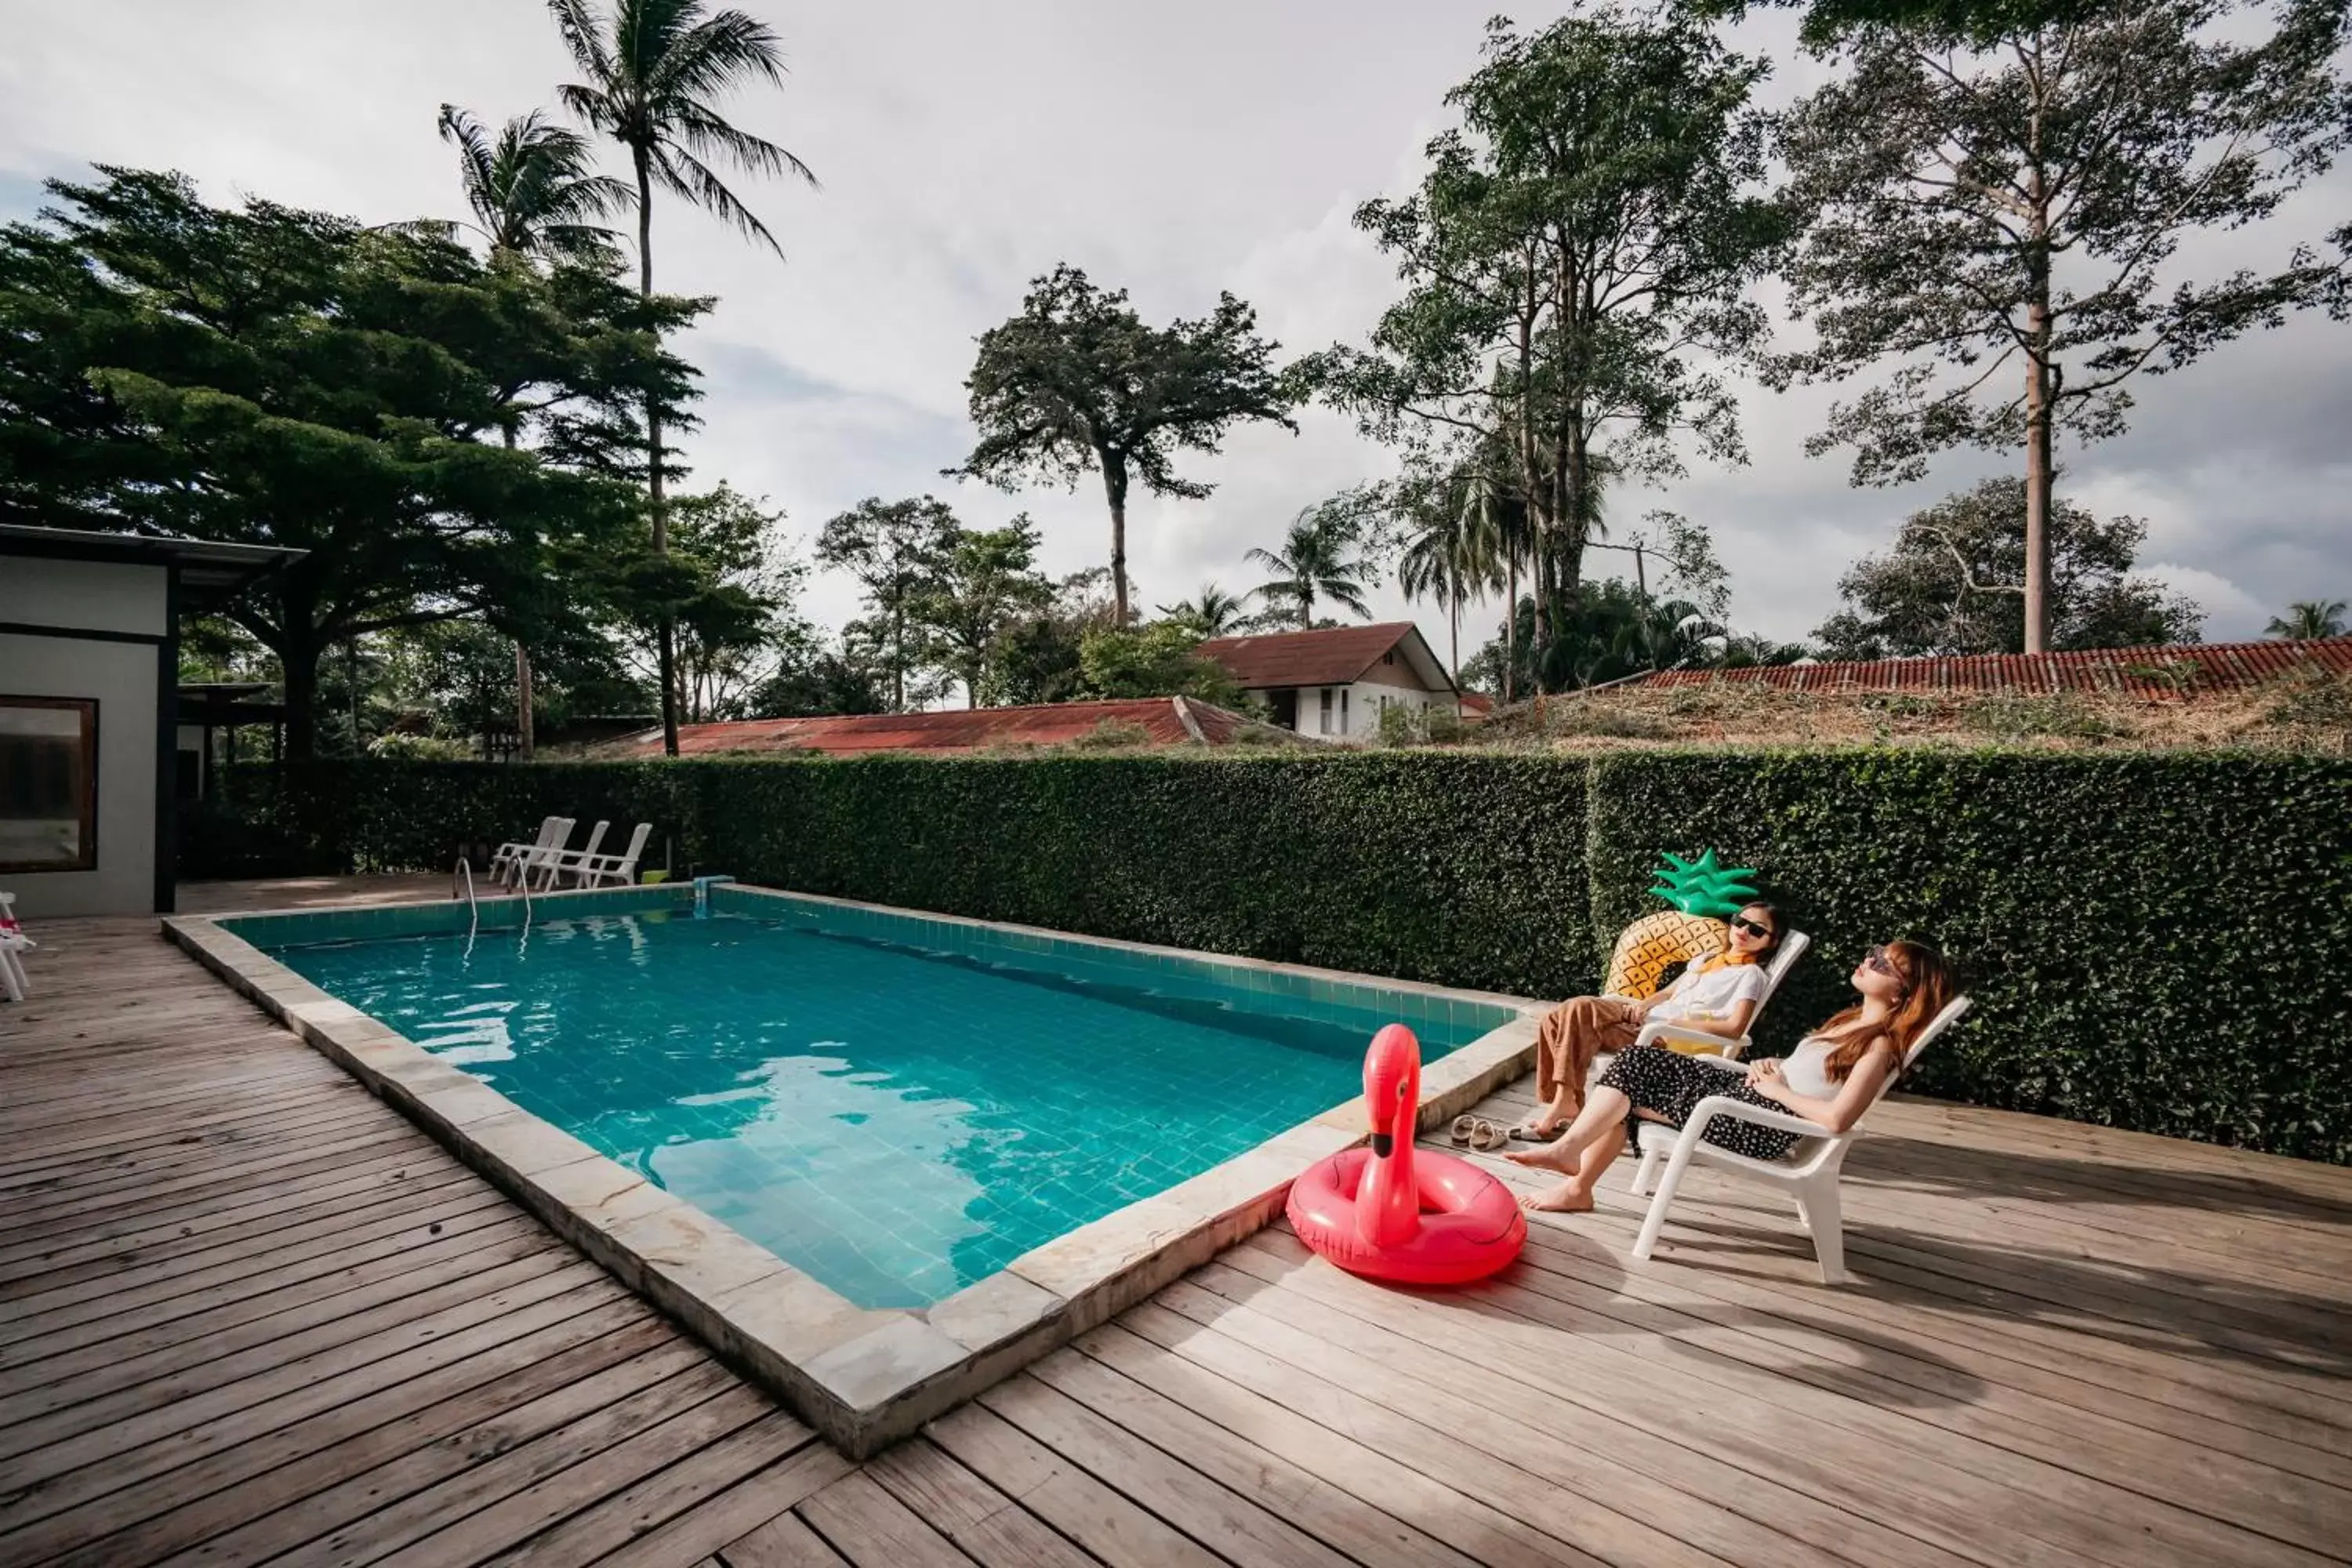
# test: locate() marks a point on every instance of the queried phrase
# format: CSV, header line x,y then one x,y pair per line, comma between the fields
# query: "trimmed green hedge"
x,y
2152,940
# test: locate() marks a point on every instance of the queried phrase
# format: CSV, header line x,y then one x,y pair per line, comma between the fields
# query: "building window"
x,y
1343,710
1327,710
48,784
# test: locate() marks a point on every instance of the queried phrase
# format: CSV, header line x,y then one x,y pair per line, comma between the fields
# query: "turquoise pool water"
x,y
898,1108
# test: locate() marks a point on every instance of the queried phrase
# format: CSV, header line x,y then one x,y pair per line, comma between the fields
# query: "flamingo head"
x,y
1391,1087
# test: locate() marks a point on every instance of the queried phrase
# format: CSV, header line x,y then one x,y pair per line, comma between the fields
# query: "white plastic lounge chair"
x,y
1807,1173
573,862
512,853
599,869
533,872
14,945
1784,958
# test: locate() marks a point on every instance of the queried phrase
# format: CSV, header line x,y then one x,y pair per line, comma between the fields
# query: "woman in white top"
x,y
1830,1078
1718,996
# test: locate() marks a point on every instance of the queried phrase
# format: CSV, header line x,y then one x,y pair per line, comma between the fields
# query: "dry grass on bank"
x,y
2309,712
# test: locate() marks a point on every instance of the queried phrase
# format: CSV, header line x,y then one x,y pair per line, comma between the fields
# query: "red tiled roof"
x,y
1334,656
1477,705
952,730
2182,669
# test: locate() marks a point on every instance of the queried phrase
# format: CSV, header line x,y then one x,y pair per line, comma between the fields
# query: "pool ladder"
x,y
465,869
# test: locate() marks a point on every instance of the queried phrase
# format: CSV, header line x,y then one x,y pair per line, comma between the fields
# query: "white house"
x,y
1338,681
90,748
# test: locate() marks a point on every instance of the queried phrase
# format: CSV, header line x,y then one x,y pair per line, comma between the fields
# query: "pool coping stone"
x,y
865,1377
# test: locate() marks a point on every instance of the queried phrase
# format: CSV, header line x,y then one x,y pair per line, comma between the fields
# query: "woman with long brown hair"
x,y
1830,1078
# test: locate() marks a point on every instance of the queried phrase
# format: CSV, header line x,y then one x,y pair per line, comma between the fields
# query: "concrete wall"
x,y
123,678
1362,709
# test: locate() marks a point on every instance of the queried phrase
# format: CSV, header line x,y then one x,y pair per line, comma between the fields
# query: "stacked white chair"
x,y
14,945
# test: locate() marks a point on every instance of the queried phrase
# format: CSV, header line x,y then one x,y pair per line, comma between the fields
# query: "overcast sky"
x,y
1174,150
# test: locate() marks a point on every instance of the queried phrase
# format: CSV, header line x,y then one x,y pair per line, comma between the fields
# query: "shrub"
x,y
2151,938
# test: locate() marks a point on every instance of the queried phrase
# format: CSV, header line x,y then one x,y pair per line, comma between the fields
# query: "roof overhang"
x,y
211,572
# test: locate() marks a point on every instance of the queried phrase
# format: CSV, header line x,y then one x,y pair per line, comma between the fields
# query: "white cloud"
x,y
1172,150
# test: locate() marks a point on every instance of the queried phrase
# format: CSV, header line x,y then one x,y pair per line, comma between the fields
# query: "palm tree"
x,y
532,189
654,69
1213,612
2306,619
1319,559
1455,554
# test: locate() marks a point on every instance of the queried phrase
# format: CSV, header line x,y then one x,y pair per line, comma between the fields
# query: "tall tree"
x,y
655,70
274,376
534,193
533,188
1576,260
2001,216
984,582
2308,619
1953,584
1076,382
1321,558
894,549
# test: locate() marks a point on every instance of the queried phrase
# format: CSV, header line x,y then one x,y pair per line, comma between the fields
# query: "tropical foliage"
x,y
2001,218
1320,559
2309,618
1078,383
653,72
1950,585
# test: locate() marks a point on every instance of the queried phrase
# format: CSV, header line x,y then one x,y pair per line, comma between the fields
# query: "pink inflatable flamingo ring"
x,y
1394,1212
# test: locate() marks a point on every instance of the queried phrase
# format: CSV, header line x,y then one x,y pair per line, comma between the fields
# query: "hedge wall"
x,y
2152,939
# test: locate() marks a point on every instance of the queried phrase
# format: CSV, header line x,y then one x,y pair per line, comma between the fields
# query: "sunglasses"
x,y
1876,960
1741,922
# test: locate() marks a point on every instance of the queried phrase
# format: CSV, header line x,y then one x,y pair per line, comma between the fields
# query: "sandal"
x,y
1486,1137
1528,1132
1464,1129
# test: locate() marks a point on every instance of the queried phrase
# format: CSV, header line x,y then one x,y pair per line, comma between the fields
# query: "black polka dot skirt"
x,y
1672,1084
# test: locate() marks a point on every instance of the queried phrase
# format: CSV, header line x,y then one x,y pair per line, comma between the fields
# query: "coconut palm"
x,y
2309,618
1319,558
1454,552
534,189
655,70
1212,612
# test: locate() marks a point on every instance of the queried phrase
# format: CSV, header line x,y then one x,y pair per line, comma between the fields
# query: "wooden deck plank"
x,y
225,1335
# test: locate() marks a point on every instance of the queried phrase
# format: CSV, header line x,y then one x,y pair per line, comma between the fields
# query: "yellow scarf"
x,y
1727,959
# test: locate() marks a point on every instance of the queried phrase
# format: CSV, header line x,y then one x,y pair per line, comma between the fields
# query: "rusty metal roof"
x,y
1163,719
2170,670
1329,656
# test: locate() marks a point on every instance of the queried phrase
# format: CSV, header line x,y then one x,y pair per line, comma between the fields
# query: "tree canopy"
x,y
269,376
894,549
1950,585
1575,264
2000,217
1078,383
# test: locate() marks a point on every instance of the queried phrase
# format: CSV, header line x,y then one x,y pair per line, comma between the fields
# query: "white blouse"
x,y
1711,995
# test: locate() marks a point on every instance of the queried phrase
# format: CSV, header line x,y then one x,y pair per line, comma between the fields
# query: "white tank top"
x,y
1806,1070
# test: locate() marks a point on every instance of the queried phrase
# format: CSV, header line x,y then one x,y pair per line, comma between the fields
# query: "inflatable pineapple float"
x,y
1700,895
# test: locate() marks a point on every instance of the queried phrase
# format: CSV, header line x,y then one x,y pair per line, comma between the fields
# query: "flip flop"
x,y
1464,1129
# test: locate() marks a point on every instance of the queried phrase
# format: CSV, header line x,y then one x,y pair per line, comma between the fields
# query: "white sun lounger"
x,y
554,866
1807,1173
14,945
597,870
512,854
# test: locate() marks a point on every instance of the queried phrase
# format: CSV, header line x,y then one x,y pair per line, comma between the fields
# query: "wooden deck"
x,y
248,1314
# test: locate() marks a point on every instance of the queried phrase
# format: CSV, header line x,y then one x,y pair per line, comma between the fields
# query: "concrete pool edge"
x,y
862,1377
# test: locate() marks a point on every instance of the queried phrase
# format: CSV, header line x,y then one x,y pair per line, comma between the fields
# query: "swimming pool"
x,y
894,1107
877,1159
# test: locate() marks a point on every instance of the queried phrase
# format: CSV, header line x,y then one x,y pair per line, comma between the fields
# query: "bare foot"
x,y
1548,1157
1565,1198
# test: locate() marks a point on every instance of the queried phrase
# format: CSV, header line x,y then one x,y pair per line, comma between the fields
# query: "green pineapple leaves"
x,y
1705,886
